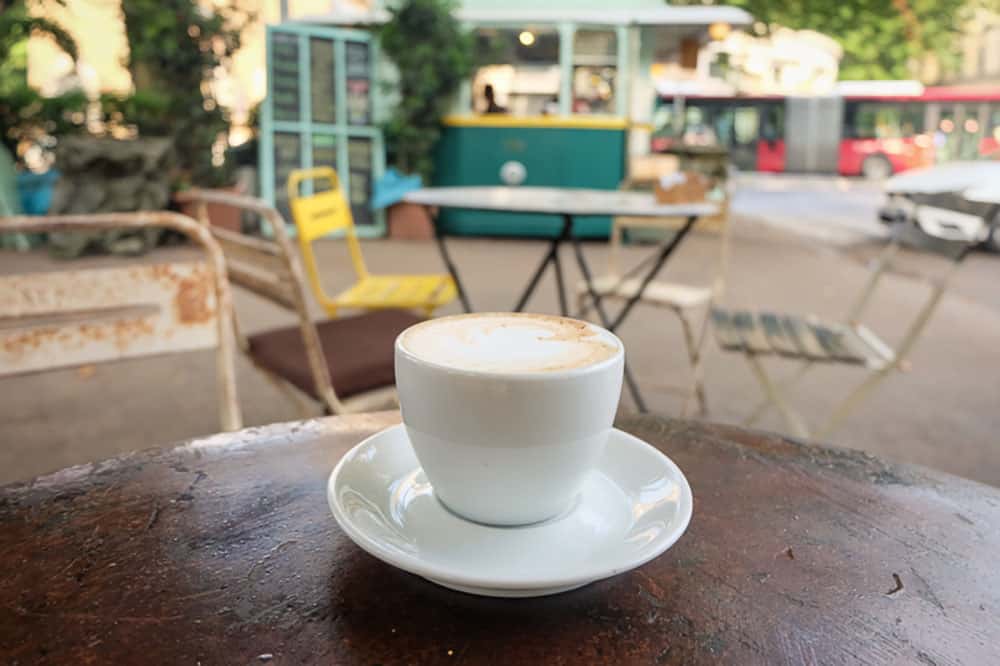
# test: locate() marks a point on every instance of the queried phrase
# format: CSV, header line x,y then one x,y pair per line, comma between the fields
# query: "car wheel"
x,y
876,167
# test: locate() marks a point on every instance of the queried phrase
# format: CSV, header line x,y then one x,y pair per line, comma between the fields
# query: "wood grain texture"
x,y
223,550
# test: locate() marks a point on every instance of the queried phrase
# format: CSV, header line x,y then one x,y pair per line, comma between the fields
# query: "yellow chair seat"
x,y
328,211
398,291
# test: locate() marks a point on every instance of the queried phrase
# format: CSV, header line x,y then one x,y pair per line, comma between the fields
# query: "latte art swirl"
x,y
509,343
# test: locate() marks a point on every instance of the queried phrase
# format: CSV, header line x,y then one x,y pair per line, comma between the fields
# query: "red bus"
x,y
852,134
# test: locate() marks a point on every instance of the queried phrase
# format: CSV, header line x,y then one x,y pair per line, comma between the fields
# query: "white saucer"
x,y
634,506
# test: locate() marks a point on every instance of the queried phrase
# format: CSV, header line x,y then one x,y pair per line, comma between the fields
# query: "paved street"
x,y
840,214
826,208
944,413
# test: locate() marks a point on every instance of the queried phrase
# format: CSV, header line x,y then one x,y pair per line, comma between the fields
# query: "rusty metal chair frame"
x,y
271,269
814,342
229,409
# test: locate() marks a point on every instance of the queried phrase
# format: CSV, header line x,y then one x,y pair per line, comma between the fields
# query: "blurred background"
x,y
820,129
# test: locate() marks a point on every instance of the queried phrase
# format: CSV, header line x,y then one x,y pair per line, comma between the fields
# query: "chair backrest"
x,y
258,265
643,174
73,317
954,251
620,225
320,214
269,269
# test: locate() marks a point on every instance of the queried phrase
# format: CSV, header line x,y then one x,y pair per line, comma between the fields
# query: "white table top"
x,y
555,201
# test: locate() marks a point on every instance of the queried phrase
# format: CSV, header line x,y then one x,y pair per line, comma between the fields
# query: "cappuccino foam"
x,y
509,343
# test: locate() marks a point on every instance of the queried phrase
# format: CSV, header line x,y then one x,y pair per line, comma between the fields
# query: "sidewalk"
x,y
943,414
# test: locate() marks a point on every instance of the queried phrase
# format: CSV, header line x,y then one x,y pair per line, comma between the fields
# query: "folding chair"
x,y
83,316
680,299
345,364
326,212
813,341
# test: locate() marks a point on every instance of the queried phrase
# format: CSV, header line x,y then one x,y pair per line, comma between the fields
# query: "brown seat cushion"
x,y
358,351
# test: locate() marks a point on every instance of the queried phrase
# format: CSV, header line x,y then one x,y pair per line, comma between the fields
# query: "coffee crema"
x,y
509,343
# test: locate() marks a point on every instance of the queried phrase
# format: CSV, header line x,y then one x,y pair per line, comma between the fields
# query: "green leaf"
x,y
878,40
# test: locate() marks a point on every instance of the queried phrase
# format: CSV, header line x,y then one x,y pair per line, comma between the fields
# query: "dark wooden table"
x,y
223,551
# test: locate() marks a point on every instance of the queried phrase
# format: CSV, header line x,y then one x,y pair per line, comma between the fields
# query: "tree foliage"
x,y
882,39
16,25
174,48
434,55
25,115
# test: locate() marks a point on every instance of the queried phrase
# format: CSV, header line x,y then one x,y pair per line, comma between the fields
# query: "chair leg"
x,y
763,406
853,399
793,420
694,349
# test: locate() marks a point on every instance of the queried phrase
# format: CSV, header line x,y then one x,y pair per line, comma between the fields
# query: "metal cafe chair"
x,y
691,304
345,364
812,341
327,212
79,317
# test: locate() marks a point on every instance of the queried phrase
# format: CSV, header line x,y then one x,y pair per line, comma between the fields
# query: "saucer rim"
x,y
446,575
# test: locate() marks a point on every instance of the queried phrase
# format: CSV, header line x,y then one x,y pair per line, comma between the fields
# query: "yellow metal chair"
x,y
326,212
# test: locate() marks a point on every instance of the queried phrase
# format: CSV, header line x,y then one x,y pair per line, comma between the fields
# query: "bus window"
x,y
770,149
772,127
722,122
742,143
849,130
970,131
664,129
746,125
887,122
946,137
663,119
698,129
875,121
990,144
879,120
859,121
911,120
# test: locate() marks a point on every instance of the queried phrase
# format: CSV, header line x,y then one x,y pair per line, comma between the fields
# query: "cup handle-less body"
x,y
507,449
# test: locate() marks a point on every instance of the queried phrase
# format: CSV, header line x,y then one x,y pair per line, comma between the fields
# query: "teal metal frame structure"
x,y
305,128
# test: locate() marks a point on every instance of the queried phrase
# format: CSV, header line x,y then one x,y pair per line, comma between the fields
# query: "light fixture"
x,y
719,31
527,38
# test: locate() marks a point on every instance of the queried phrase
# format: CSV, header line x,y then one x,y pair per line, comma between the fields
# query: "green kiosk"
x,y
565,99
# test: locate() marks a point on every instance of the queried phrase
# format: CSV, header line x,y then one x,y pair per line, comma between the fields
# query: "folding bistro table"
x,y
567,204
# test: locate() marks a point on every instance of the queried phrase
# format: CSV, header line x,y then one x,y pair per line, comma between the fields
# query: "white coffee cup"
x,y
507,430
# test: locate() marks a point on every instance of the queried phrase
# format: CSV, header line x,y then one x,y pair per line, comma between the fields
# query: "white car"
x,y
955,201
